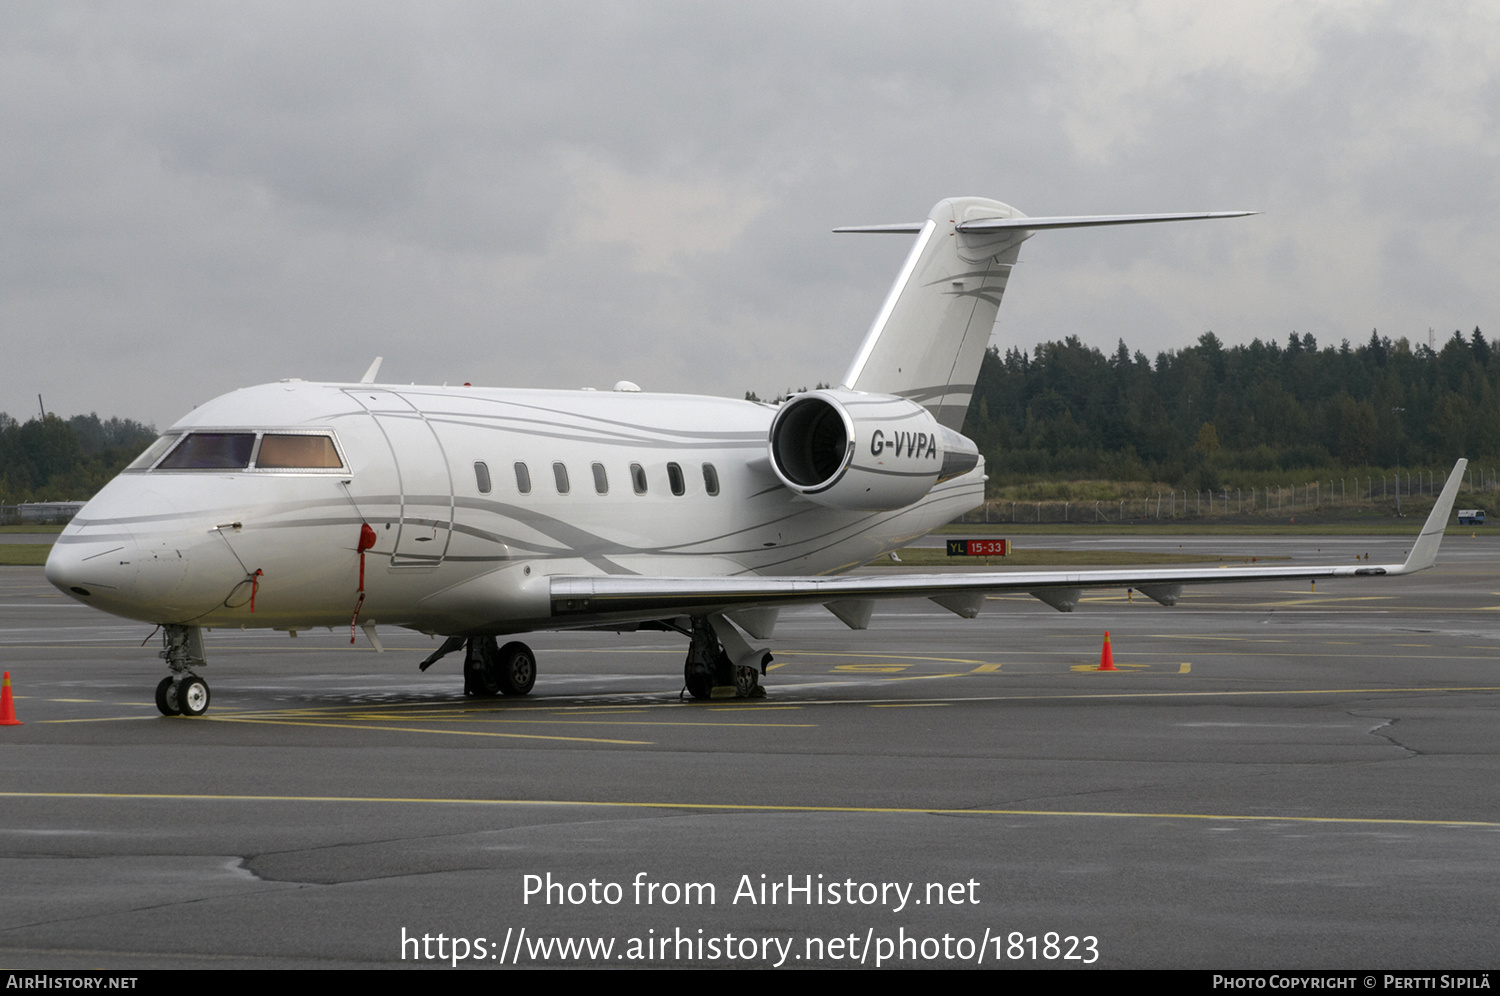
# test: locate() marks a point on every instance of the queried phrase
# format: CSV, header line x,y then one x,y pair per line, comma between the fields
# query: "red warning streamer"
x,y
366,541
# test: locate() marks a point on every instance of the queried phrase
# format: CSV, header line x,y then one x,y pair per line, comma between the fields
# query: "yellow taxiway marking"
x,y
1185,669
409,729
378,718
715,807
285,717
882,657
986,669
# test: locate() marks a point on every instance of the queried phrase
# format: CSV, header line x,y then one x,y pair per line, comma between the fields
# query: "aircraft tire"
x,y
699,684
192,696
517,669
746,681
482,670
166,697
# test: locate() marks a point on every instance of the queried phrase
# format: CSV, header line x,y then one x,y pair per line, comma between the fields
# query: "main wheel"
x,y
166,697
700,684
517,669
482,669
192,696
746,681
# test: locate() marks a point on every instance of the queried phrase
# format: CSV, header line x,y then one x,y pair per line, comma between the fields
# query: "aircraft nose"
x,y
95,567
92,565
103,560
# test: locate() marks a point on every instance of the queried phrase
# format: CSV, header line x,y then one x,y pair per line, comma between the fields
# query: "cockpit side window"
x,y
278,452
154,452
211,451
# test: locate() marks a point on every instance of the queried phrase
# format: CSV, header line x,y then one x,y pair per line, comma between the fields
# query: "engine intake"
x,y
865,452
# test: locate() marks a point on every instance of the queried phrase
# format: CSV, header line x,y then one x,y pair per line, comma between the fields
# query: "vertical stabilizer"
x,y
930,335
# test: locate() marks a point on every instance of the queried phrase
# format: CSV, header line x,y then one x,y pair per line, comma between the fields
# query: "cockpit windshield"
x,y
297,453
249,451
211,451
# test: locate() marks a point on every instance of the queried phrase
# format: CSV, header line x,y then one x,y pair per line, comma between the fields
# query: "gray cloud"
x,y
196,197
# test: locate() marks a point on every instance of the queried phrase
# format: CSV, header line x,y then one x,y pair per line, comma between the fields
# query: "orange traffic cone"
x,y
8,707
1106,656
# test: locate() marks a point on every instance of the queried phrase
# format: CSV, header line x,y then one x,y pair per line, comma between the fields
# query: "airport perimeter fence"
x,y
39,513
1361,495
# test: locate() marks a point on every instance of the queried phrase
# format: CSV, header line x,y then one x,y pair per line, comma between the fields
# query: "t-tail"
x,y
927,342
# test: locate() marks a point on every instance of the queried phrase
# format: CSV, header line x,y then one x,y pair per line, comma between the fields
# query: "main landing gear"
x,y
182,693
720,664
490,669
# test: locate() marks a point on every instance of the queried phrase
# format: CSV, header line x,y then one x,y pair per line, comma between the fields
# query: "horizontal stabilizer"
x,y
1038,224
899,228
1089,221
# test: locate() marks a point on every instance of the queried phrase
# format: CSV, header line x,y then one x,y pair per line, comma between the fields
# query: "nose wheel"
x,y
166,697
182,696
182,693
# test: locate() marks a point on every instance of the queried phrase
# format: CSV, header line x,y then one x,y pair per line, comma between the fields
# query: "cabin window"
x,y
638,478
523,478
710,479
560,475
153,452
211,451
674,478
601,479
299,452
482,476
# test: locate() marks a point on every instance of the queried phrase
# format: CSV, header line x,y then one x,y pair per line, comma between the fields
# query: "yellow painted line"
x,y
406,729
986,669
752,808
1159,695
1225,639
882,657
809,703
1185,669
927,677
377,718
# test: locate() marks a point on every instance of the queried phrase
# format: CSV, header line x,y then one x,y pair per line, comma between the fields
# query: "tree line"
x,y
1202,417
1209,416
57,459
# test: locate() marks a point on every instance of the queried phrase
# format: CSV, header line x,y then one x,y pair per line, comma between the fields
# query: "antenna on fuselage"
x,y
369,377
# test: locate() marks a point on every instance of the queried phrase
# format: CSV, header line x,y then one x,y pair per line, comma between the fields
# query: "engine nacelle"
x,y
864,452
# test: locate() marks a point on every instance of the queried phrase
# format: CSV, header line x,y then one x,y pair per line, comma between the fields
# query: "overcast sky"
x,y
197,197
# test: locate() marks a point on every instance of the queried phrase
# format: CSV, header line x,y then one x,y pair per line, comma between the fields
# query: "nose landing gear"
x,y
182,693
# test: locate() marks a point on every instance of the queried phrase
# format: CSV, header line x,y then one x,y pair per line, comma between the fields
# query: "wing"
x,y
615,598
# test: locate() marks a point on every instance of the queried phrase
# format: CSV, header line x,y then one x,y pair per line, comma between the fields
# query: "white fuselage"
x,y
460,549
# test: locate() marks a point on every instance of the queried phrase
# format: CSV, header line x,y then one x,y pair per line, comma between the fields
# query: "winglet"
x,y
370,374
1424,551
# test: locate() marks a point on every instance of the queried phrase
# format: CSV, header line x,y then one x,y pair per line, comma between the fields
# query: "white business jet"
x,y
473,513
